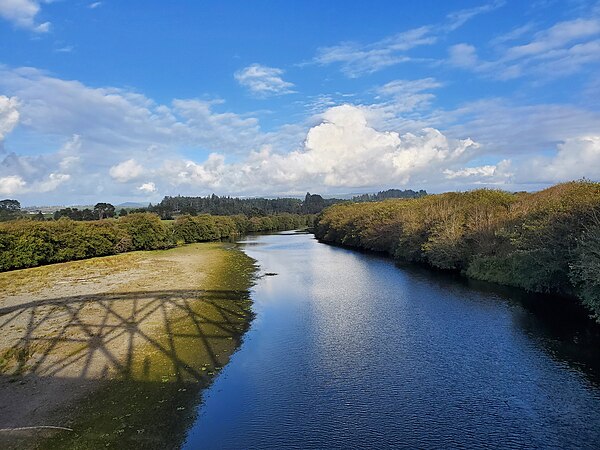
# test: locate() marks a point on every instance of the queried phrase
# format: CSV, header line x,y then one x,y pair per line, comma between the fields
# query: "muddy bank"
x,y
117,349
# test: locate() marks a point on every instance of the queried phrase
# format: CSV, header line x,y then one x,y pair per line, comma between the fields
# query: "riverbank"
x,y
102,345
31,243
546,242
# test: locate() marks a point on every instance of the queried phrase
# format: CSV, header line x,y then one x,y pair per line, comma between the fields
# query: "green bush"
x,y
585,270
543,242
27,243
146,230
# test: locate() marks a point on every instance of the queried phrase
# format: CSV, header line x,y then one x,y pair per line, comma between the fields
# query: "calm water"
x,y
349,351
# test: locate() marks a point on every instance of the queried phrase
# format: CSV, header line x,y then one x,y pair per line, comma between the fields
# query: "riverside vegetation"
x,y
29,243
548,241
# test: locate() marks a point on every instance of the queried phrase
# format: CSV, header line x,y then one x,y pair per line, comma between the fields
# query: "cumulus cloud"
x,y
263,81
12,184
147,188
53,181
39,174
575,159
126,171
343,151
109,143
23,14
9,115
489,174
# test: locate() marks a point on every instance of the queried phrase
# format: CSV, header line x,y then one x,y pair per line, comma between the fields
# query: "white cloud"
x,y
263,80
126,171
507,128
463,55
39,174
12,184
117,118
147,188
459,18
500,173
513,35
562,49
558,36
408,95
200,125
358,59
65,49
15,184
9,115
88,138
342,152
23,13
53,181
486,171
95,5
575,159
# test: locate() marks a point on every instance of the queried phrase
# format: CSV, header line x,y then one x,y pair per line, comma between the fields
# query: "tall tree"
x,y
104,210
9,209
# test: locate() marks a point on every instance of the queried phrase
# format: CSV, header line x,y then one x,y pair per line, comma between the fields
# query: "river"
x,y
349,351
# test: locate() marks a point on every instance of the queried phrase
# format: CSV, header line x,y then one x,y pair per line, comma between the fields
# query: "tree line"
x,y
256,207
548,241
29,243
390,193
171,207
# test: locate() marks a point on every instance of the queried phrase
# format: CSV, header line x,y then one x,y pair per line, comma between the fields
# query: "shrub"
x,y
147,232
544,242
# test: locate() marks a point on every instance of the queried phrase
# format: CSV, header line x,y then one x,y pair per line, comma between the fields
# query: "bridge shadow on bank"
x,y
120,369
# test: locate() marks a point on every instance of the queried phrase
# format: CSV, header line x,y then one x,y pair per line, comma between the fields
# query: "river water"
x,y
349,351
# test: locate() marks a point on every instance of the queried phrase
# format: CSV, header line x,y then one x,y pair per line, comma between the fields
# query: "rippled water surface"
x,y
349,351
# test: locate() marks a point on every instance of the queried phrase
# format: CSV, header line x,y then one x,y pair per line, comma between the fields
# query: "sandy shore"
x,y
134,322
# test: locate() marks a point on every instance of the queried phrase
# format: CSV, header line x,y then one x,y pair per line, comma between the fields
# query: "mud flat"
x,y
115,351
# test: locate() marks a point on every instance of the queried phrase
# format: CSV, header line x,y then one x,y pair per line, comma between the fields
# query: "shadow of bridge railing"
x,y
158,335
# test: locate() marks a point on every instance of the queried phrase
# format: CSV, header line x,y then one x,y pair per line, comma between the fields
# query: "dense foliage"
x,y
390,193
548,241
29,243
100,211
9,209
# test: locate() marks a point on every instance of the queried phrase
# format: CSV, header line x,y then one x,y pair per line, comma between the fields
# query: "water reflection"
x,y
349,351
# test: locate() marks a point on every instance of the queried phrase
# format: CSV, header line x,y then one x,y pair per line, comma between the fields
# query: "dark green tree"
x,y
9,209
104,210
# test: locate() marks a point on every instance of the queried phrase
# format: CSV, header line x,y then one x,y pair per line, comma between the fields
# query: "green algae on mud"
x,y
150,399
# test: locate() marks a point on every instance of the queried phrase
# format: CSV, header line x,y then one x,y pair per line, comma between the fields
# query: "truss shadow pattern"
x,y
175,335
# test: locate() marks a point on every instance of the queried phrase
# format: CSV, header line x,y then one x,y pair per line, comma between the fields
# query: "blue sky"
x,y
135,100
